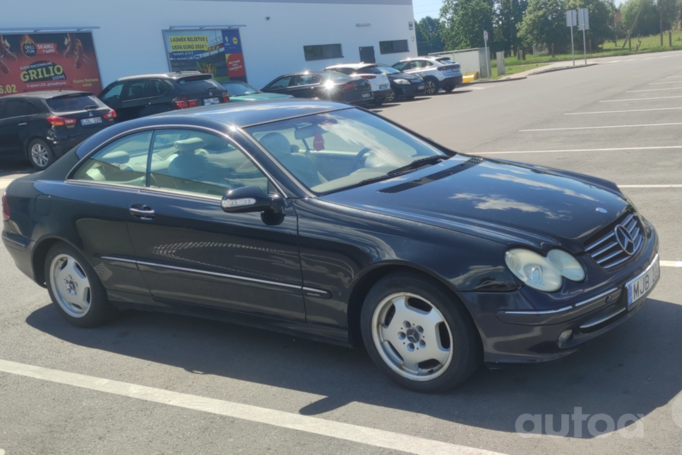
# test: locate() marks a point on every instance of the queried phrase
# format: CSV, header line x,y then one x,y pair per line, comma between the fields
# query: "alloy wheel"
x,y
40,155
70,286
390,98
431,88
412,337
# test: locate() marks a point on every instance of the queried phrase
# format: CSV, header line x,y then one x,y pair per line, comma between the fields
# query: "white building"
x,y
134,37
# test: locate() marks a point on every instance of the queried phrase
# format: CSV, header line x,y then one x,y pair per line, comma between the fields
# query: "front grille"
x,y
607,250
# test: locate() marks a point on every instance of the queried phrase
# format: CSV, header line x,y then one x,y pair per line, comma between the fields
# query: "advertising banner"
x,y
215,52
48,61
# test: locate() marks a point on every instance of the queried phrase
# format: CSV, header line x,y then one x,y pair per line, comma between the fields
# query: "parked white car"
x,y
381,85
437,72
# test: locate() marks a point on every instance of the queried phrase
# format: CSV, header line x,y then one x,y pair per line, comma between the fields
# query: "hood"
x,y
507,202
260,97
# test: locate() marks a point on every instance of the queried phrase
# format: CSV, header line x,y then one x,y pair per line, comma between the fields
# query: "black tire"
x,y
99,309
40,154
449,88
378,101
410,98
432,85
390,98
465,351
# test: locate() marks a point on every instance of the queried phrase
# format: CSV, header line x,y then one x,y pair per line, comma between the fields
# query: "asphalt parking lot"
x,y
152,383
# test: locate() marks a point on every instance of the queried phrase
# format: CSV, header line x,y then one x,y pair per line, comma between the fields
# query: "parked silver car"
x,y
381,86
437,72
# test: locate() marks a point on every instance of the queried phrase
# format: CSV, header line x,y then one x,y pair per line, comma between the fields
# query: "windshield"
x,y
388,70
332,151
239,88
74,103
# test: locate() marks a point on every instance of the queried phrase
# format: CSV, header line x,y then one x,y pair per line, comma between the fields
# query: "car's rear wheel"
x,y
40,154
418,334
74,288
390,98
432,85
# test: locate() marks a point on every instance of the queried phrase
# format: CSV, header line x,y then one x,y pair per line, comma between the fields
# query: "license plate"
x,y
383,87
366,95
91,121
639,286
209,101
421,87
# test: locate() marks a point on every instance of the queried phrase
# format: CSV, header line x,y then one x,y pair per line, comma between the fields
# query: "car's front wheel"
x,y
40,154
418,334
390,98
432,85
74,288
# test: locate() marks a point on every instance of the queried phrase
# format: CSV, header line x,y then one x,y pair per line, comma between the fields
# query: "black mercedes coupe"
x,y
331,222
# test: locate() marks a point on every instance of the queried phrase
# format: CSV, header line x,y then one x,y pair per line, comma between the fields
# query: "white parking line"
x,y
615,149
653,90
642,99
672,77
671,263
314,425
667,82
626,111
644,125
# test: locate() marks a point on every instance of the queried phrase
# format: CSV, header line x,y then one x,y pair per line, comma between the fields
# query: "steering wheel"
x,y
358,157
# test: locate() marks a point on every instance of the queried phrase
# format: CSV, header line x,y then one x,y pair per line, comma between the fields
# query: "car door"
x,y
111,96
157,98
96,200
304,86
133,98
280,85
190,251
16,114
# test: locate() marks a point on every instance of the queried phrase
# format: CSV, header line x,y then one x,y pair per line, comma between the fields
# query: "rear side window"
x,y
123,162
73,103
134,90
18,108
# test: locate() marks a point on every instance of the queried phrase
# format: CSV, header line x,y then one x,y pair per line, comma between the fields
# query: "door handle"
x,y
23,124
142,212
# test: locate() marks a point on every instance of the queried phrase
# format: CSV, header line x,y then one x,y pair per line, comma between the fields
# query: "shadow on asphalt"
x,y
13,167
633,369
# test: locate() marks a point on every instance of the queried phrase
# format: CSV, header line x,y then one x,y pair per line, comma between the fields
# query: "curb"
x,y
482,81
562,68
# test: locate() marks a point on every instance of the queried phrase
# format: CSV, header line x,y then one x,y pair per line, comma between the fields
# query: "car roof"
x,y
354,66
174,75
301,73
47,94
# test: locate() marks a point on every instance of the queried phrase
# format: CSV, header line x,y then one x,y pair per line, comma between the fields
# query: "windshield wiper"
x,y
91,107
417,164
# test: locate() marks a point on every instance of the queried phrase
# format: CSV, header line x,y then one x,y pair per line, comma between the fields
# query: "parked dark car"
x,y
241,91
325,85
326,221
139,96
42,126
404,86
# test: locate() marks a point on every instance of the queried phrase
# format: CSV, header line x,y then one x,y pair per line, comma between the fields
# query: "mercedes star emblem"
x,y
625,240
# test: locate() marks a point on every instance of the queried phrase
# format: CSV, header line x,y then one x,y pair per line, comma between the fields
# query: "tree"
x,y
647,23
545,23
463,22
508,17
600,20
428,36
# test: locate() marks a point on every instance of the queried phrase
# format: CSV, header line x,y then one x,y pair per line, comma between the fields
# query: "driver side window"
x,y
112,94
200,163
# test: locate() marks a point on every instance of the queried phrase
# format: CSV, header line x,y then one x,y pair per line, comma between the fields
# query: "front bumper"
x,y
381,94
526,336
406,91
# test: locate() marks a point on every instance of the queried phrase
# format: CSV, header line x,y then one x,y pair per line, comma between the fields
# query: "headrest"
x,y
119,157
189,145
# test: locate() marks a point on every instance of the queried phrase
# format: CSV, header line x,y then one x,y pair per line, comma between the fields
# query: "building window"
x,y
393,47
322,52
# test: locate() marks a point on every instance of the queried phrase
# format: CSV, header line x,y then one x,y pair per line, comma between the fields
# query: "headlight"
x,y
543,273
402,81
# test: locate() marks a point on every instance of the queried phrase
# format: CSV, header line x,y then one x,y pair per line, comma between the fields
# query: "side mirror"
x,y
250,199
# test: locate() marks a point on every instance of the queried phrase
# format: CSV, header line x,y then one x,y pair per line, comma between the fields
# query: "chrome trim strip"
x,y
617,262
602,319
222,275
609,257
598,242
561,310
653,261
16,242
604,250
597,297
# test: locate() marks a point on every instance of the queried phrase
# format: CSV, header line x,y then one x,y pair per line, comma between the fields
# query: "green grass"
x,y
649,44
509,70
